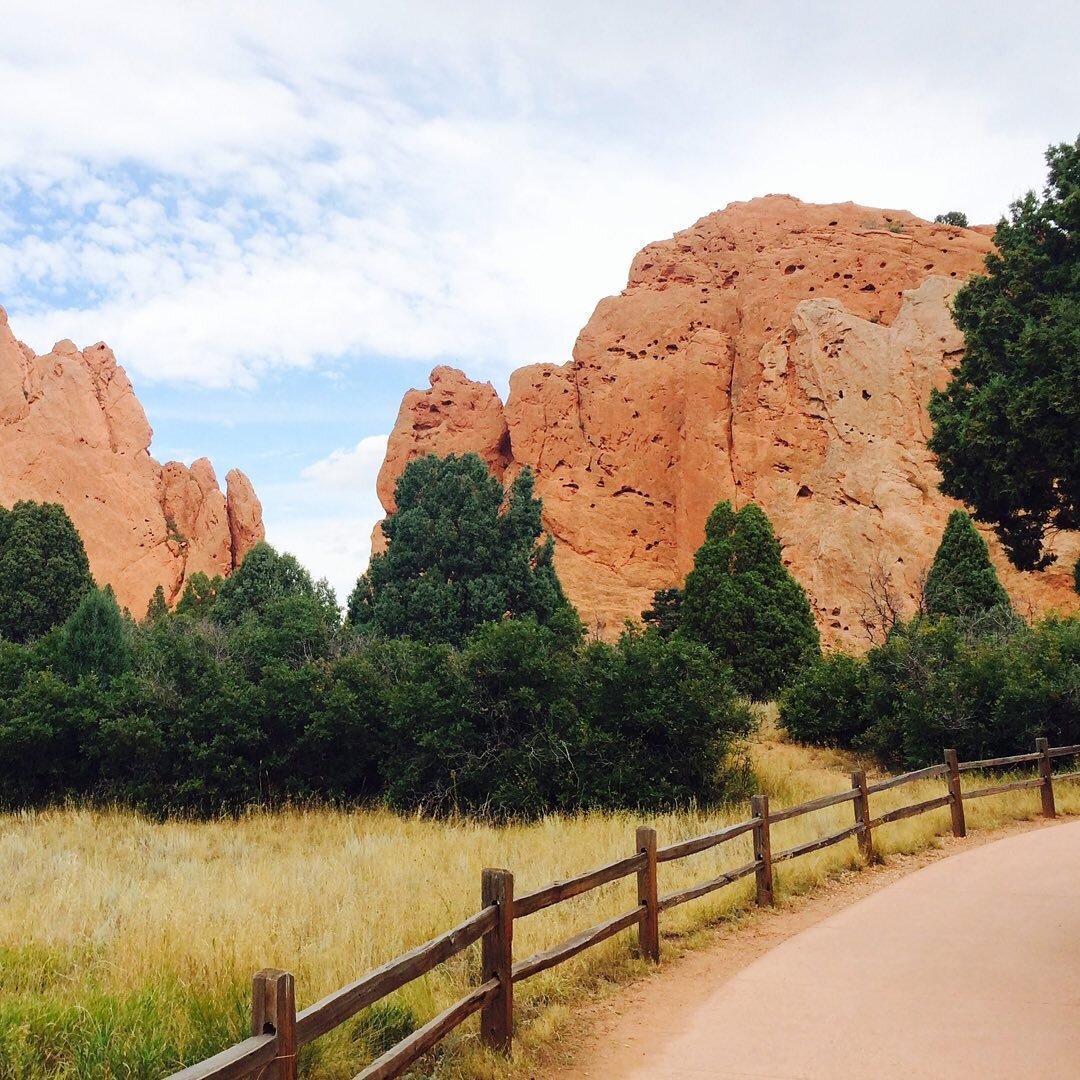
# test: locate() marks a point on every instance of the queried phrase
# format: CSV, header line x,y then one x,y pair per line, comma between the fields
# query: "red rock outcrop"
x,y
776,351
73,432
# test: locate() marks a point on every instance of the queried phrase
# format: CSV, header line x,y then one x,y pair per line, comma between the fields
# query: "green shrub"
x,y
825,705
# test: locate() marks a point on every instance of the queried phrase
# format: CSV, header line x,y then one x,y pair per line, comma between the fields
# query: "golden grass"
x,y
112,903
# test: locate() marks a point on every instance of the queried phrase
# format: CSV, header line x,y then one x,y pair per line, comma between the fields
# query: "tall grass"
x,y
127,946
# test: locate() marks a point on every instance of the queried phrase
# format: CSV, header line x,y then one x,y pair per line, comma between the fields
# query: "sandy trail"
x,y
969,966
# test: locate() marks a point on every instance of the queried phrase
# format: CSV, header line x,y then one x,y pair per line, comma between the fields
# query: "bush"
x,y
986,686
825,705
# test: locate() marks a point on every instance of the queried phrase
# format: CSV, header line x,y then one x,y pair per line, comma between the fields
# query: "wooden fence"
x,y
278,1030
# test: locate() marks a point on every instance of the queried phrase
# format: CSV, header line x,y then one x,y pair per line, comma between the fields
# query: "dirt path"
x,y
970,967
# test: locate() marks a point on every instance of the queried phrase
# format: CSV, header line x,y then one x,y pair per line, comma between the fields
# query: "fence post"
x,y
273,1011
956,798
649,927
497,959
862,815
759,807
1046,771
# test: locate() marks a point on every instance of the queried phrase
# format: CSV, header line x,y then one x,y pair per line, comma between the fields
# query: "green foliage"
x,y
953,217
665,613
740,600
1005,427
265,576
43,569
95,639
962,579
199,594
824,706
663,723
158,608
256,694
461,552
987,684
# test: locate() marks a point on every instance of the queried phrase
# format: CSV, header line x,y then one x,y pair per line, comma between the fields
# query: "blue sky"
x,y
282,216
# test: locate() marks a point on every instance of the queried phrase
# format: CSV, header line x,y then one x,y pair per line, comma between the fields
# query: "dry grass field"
x,y
127,945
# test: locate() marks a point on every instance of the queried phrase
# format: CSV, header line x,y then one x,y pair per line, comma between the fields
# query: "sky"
x,y
281,216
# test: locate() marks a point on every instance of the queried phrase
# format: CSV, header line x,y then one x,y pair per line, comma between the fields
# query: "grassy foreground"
x,y
127,946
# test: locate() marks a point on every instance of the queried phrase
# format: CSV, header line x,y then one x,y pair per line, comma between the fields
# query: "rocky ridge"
x,y
776,351
73,432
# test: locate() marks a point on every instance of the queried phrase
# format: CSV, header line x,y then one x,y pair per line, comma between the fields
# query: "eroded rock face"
x,y
73,432
776,351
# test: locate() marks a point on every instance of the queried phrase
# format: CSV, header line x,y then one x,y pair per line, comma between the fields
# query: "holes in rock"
x,y
804,492
831,224
841,395
672,348
929,266
882,265
866,395
790,269
848,277
868,288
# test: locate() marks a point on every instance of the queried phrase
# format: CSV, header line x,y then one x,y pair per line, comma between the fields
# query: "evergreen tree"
x,y
157,608
1005,428
461,552
741,601
95,640
663,616
44,571
962,580
953,217
199,594
263,577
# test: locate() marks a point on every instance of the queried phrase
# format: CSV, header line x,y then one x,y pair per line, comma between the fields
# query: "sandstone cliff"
x,y
776,351
73,432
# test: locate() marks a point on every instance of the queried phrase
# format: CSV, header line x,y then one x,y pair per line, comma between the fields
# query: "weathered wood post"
x,y
956,798
862,815
649,927
273,1012
759,808
497,960
1046,771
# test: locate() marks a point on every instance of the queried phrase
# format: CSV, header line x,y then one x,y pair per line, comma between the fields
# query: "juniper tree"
x,y
44,571
461,552
741,601
962,579
1005,428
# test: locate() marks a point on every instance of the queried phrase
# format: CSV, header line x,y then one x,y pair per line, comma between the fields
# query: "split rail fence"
x,y
278,1030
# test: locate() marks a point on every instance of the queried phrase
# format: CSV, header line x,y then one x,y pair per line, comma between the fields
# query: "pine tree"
x,y
962,580
43,569
157,608
461,552
1005,427
741,601
95,640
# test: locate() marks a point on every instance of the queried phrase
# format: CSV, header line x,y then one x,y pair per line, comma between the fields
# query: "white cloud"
x,y
352,470
325,518
224,190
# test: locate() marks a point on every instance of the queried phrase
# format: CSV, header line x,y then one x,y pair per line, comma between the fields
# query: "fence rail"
x,y
278,1030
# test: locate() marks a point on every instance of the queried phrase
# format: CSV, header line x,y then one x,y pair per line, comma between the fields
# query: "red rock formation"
x,y
73,432
776,351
